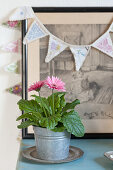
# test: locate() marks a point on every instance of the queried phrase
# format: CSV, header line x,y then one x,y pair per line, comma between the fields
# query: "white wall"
x,y
9,146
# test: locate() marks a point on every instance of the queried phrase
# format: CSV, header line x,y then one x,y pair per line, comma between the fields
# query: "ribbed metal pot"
x,y
51,145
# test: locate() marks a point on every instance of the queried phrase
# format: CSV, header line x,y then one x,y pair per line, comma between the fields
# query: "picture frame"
x,y
80,11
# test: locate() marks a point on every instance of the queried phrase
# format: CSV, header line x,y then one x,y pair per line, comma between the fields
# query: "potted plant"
x,y
52,118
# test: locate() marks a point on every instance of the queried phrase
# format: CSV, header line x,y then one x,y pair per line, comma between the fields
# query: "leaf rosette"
x,y
52,113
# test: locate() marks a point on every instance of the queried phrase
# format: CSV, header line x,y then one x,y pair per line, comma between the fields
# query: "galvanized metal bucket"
x,y
51,145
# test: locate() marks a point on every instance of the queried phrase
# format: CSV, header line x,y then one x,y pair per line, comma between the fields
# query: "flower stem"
x,y
42,105
53,100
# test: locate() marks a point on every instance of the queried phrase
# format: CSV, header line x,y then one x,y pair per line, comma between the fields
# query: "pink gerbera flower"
x,y
36,86
55,83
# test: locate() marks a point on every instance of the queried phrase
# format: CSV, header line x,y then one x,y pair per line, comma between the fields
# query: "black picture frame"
x,y
25,134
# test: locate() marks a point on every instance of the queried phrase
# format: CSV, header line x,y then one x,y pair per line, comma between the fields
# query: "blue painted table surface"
x,y
93,158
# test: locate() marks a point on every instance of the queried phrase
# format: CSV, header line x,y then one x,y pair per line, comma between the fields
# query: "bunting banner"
x,y
104,44
35,32
80,53
55,47
22,13
111,28
13,47
38,30
16,89
12,24
13,67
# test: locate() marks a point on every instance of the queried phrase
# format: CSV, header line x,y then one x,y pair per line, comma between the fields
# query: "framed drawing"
x,y
93,82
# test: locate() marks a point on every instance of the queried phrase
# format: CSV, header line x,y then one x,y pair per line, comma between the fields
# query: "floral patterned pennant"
x,y
13,67
55,48
35,32
13,47
111,28
104,44
22,13
12,24
17,89
80,53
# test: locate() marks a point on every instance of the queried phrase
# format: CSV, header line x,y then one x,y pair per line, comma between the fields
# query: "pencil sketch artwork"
x,y
93,83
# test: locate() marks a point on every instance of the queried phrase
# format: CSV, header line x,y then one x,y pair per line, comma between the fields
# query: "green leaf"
x,y
37,115
62,101
56,101
62,104
73,124
29,106
43,103
37,98
71,105
50,122
25,124
59,128
33,117
25,116
59,101
60,94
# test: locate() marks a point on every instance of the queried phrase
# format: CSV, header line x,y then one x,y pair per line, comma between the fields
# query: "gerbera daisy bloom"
x,y
55,83
36,86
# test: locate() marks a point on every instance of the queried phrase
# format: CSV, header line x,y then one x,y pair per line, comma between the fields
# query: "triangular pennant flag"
x,y
13,67
22,13
17,89
55,47
79,53
111,28
35,32
13,47
12,24
104,44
